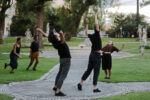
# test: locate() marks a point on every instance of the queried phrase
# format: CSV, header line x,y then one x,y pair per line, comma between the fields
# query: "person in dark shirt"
x,y
34,53
58,42
107,59
94,58
14,55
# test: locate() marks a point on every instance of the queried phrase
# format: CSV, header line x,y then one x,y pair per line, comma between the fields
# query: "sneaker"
x,y
60,94
34,69
27,69
96,90
11,72
54,89
106,78
5,66
79,87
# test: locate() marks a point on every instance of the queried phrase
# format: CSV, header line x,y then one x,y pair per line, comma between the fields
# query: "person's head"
x,y
19,40
110,43
36,37
52,37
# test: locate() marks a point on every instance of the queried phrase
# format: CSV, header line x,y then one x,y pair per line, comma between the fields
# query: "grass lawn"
x,y
21,74
132,69
9,42
130,96
5,97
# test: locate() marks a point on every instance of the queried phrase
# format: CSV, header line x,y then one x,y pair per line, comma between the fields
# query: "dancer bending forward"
x,y
58,42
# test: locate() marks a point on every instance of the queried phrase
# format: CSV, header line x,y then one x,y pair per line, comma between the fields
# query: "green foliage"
x,y
128,25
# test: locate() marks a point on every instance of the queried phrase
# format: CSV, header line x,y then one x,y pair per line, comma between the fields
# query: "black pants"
x,y
94,64
63,71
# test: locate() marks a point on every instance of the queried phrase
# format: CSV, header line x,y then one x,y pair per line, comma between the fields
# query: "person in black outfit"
x,y
14,55
34,53
94,58
107,58
58,42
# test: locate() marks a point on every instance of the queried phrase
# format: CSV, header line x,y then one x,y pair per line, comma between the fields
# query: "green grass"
x,y
132,69
5,97
21,74
9,42
130,96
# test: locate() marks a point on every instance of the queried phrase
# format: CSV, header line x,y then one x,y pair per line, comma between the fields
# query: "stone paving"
x,y
42,89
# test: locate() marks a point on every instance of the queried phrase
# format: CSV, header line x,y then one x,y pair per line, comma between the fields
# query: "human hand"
x,y
61,32
123,45
39,29
20,57
87,21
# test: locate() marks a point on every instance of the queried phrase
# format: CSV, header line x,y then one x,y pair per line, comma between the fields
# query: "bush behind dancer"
x,y
94,58
58,42
14,55
107,58
34,53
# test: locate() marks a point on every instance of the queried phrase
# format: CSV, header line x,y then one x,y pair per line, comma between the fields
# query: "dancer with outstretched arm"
x,y
58,42
94,58
107,58
14,55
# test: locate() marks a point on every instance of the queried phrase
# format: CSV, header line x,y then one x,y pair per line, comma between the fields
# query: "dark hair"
x,y
18,39
36,35
52,37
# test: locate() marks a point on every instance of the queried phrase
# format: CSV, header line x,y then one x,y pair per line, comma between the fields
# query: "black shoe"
x,y
106,78
5,66
27,69
60,94
54,89
34,69
96,90
11,72
79,87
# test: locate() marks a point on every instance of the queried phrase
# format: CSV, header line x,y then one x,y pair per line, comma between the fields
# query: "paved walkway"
x,y
42,89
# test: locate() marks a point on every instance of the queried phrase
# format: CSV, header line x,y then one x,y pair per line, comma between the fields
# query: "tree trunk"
x,y
40,16
77,19
2,26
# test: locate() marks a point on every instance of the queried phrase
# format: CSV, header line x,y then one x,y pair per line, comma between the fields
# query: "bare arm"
x,y
121,47
86,29
62,36
14,51
96,24
43,33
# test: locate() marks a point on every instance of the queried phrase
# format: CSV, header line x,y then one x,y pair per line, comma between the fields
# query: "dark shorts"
x,y
13,61
106,62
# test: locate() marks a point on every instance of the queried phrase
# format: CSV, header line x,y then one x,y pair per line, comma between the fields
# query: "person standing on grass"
x,y
58,42
94,58
14,55
107,59
34,53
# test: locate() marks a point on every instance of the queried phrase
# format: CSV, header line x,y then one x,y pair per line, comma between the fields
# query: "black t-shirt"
x,y
63,49
96,41
34,46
